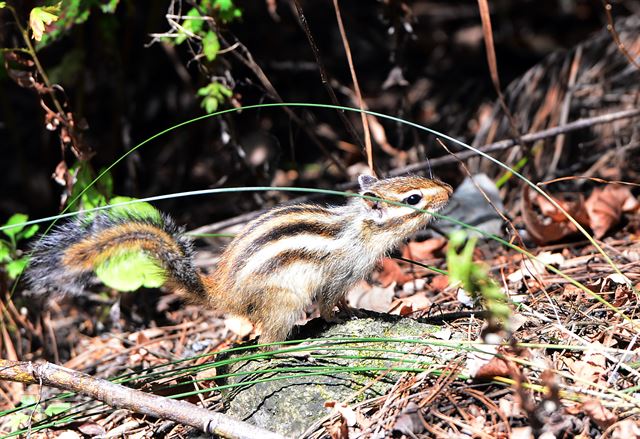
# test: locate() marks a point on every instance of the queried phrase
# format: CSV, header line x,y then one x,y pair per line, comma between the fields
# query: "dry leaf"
x,y
551,225
391,272
439,282
605,206
409,421
602,416
529,268
92,429
348,418
495,367
410,304
421,251
592,368
370,297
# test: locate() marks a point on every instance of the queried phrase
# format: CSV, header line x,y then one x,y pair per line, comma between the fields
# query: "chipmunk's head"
x,y
412,191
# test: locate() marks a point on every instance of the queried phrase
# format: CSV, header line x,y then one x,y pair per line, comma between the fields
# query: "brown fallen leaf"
x,y
591,368
410,304
409,420
599,414
496,367
605,206
439,282
420,251
348,419
551,224
391,272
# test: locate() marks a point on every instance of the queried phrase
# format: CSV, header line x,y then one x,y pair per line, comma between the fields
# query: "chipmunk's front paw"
x,y
352,313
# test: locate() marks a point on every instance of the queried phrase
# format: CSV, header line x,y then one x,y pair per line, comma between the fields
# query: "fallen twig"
x,y
119,396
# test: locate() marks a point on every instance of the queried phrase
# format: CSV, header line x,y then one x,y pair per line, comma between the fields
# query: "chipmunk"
x,y
272,270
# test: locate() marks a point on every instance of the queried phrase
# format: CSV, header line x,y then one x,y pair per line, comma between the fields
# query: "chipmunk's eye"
x,y
412,199
370,194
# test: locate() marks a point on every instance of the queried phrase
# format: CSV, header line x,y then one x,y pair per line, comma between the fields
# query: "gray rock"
x,y
295,387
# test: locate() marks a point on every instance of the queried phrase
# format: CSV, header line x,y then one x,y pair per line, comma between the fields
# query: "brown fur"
x,y
98,248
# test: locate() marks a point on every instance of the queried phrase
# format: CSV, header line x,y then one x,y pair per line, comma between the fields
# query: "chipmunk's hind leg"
x,y
279,315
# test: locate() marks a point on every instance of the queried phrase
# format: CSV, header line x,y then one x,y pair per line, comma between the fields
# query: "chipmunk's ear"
x,y
366,181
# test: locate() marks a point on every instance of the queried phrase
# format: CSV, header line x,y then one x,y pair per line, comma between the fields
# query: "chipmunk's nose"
x,y
446,187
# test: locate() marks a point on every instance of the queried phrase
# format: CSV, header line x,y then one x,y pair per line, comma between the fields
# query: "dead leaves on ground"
x,y
600,212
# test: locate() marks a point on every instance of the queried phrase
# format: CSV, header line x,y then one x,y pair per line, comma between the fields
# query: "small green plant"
x,y
19,419
10,256
199,26
213,95
474,277
90,195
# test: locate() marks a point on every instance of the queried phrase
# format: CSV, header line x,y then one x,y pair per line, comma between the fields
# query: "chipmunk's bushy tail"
x,y
63,261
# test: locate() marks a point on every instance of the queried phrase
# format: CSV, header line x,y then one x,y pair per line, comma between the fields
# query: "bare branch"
x,y
120,396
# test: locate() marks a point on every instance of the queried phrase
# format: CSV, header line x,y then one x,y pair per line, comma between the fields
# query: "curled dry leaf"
x,y
551,224
530,268
496,367
92,429
345,411
605,206
380,136
21,69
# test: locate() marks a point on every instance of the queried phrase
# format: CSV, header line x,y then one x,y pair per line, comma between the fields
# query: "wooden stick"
x,y
119,396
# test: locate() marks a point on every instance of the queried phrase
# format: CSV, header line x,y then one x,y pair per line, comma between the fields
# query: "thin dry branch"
x,y
356,87
119,396
324,78
492,147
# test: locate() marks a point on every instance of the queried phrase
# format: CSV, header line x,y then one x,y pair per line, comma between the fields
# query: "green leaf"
x,y
211,45
97,194
29,232
213,95
17,266
41,17
130,270
190,25
109,7
137,210
5,252
56,408
3,5
227,10
17,218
